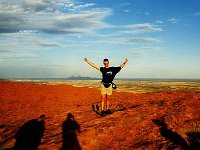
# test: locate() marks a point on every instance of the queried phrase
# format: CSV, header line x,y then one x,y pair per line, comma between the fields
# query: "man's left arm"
x,y
124,63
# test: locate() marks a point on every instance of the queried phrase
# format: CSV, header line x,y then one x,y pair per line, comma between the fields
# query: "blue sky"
x,y
49,39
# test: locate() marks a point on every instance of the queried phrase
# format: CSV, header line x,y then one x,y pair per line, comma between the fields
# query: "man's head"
x,y
41,118
70,117
106,62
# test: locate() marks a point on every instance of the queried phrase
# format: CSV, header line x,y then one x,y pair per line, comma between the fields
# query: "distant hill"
x,y
81,78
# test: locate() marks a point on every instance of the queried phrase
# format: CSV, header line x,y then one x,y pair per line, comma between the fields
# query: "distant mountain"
x,y
81,78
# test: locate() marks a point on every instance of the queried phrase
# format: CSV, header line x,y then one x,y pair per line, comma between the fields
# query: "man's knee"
x,y
103,96
108,96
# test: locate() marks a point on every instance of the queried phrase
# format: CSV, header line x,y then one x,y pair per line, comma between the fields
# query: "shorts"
x,y
105,91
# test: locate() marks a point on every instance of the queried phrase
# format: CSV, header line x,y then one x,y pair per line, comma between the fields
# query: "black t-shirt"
x,y
108,74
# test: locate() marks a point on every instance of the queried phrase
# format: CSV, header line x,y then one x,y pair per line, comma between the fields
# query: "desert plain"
x,y
146,114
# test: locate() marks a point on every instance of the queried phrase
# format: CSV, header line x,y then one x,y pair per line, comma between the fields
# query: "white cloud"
x,y
52,17
19,57
197,13
173,20
122,7
23,45
137,53
36,5
142,40
123,41
145,48
140,28
150,53
19,54
71,6
126,10
107,41
141,51
159,22
48,44
5,47
17,41
43,5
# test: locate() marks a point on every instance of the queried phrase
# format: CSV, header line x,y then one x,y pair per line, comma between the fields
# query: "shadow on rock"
x,y
194,139
69,138
30,134
176,139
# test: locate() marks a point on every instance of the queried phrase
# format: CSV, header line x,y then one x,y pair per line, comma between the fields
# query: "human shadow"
x,y
29,136
194,139
69,136
170,135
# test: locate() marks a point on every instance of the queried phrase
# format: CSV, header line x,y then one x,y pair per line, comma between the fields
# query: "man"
x,y
108,75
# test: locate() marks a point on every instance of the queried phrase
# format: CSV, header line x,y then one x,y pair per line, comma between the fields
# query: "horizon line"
x,y
95,78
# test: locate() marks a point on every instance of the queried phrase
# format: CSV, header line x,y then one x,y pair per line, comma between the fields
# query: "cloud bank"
x,y
53,17
141,28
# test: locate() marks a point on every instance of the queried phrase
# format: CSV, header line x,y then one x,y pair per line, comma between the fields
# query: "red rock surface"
x,y
131,127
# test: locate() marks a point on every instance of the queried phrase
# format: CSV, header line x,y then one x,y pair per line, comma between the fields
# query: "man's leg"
x,y
103,98
108,101
109,93
108,111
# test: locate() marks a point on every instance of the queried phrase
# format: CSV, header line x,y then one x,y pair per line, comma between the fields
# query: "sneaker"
x,y
108,111
103,113
93,108
97,107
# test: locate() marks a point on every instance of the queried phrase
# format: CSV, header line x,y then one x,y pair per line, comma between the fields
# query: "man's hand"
x,y
124,63
92,64
85,59
126,60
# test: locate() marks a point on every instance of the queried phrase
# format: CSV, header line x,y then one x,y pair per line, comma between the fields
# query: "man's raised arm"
x,y
91,64
124,63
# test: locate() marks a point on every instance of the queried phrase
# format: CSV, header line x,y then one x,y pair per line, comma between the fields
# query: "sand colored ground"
x,y
136,124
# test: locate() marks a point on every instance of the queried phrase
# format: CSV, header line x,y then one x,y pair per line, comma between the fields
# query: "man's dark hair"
x,y
42,116
105,59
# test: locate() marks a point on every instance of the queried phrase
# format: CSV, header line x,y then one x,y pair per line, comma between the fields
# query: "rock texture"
x,y
156,120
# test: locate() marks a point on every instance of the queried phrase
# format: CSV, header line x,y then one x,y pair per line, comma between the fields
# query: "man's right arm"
x,y
124,63
92,64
